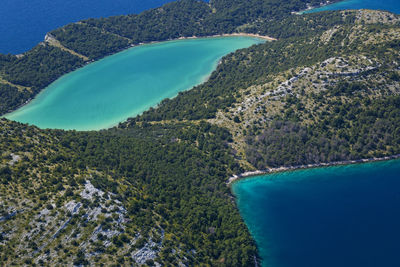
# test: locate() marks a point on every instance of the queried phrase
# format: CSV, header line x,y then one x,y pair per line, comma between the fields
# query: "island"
x,y
153,190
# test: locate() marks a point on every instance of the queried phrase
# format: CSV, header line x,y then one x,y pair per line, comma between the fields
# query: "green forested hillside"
x,y
36,69
308,99
358,130
68,47
165,186
12,97
153,190
257,64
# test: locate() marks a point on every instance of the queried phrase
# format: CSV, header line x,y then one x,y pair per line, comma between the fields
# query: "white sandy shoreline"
x,y
265,37
233,34
135,45
248,174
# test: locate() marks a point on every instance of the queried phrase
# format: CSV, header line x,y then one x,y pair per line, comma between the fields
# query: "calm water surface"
x,y
336,216
389,5
24,23
104,93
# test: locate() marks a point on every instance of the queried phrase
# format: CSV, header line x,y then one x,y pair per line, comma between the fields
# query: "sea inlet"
x,y
344,216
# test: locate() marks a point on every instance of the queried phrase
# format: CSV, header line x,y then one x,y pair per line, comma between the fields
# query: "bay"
x,y
106,92
335,216
388,5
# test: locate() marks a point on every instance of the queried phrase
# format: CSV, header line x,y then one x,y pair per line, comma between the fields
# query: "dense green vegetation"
x,y
11,97
160,178
36,69
252,66
173,20
96,38
304,25
40,66
97,43
172,176
367,122
183,173
357,130
194,18
257,64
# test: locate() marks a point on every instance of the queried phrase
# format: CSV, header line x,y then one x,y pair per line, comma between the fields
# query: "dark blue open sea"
x,y
346,216
24,23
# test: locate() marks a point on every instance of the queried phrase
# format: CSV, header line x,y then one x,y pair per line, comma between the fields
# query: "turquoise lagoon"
x,y
347,216
389,5
106,92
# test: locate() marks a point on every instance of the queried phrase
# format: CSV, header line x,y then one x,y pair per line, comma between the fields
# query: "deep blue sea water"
x,y
336,216
389,5
24,23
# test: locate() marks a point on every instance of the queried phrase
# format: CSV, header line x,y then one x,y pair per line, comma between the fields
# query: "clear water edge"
x,y
388,5
197,76
268,246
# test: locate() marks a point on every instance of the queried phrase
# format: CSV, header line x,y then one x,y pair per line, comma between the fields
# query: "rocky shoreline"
x,y
310,7
247,174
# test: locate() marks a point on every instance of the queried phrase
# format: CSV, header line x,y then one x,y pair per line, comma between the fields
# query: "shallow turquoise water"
x,y
106,92
389,5
346,216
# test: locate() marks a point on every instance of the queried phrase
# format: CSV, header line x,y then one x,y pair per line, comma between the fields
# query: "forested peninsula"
x,y
153,190
74,45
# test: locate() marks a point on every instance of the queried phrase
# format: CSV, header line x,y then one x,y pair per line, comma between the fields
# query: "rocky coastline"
x,y
247,174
